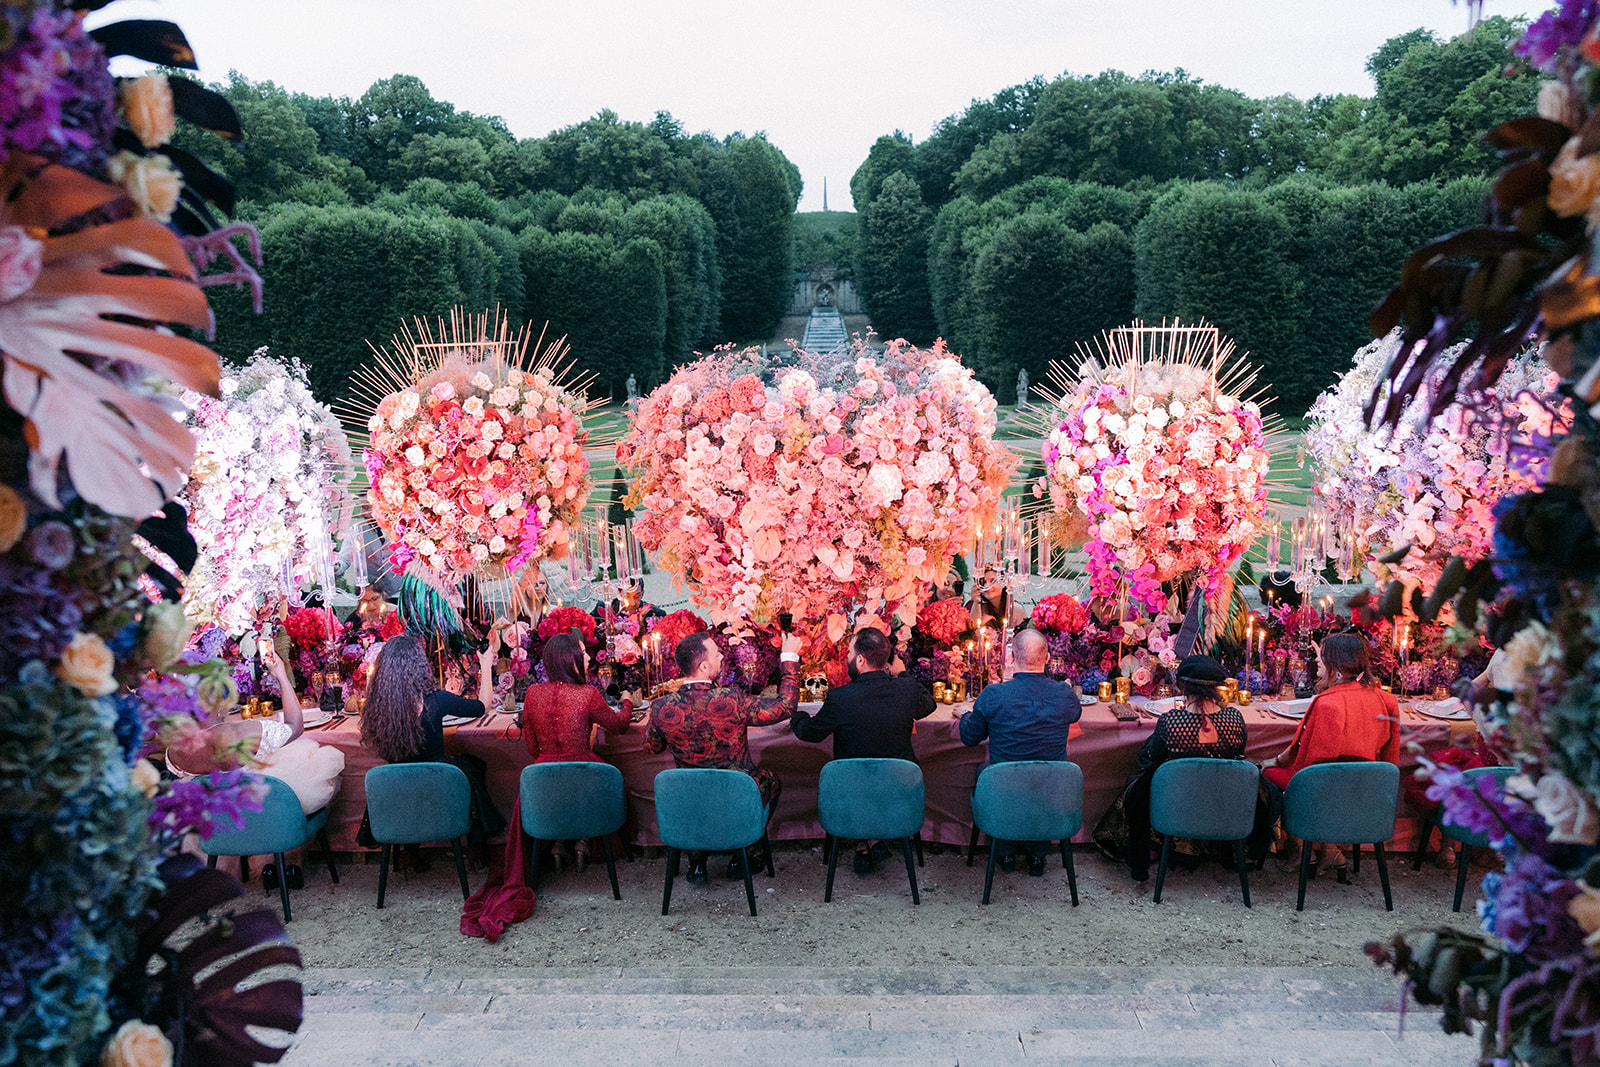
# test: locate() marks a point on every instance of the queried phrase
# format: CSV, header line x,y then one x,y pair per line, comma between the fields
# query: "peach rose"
x,y
86,666
137,1044
1574,182
150,181
145,777
13,518
1567,809
147,105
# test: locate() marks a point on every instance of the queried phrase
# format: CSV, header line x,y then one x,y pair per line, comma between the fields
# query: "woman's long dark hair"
x,y
1345,656
563,659
391,720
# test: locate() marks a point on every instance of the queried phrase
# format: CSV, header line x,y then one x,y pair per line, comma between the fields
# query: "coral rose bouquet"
x,y
1431,483
475,463
1168,468
817,487
269,485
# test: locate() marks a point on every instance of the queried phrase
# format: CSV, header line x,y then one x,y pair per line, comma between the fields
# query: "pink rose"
x,y
21,260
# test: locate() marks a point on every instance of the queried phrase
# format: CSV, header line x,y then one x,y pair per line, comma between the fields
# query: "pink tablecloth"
x,y
1105,748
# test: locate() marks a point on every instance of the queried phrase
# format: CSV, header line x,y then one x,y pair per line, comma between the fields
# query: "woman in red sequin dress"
x,y
559,716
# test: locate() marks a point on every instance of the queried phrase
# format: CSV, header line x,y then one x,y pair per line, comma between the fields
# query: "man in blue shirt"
x,y
1026,718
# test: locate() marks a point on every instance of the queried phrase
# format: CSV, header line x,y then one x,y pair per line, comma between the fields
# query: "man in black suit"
x,y
871,718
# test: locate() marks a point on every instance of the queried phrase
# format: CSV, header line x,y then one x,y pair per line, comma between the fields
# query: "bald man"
x,y
1026,718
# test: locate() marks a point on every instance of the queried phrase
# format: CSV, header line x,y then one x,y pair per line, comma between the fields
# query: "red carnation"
x,y
565,618
393,626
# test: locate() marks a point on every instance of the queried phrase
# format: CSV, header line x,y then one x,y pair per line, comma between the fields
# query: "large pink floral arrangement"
x,y
1432,485
562,619
848,481
478,468
1169,470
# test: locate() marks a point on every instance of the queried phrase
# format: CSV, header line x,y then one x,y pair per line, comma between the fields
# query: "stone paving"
x,y
1078,1016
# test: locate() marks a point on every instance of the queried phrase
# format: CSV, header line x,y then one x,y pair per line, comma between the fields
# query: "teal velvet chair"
x,y
1029,800
708,810
865,799
412,803
1459,833
279,826
1339,803
563,801
1204,799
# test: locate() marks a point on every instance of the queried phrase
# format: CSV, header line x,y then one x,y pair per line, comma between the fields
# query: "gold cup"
x,y
939,693
1124,689
252,708
1244,697
1104,692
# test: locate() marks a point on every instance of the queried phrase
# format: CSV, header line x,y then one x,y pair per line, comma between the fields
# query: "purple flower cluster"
x,y
57,97
37,619
1530,910
1564,27
1481,806
204,805
28,950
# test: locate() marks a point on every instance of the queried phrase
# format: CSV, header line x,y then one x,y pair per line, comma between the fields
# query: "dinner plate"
x,y
810,707
1163,705
457,720
1453,709
317,718
1285,712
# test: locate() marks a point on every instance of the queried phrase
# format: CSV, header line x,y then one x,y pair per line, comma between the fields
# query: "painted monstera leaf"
x,y
105,291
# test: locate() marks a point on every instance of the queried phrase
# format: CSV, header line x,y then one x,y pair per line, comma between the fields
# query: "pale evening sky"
x,y
822,80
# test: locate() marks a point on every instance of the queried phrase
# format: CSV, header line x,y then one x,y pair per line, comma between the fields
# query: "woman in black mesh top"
x,y
1202,727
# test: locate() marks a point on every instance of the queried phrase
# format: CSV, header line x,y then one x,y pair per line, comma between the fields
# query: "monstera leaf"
x,y
199,1004
107,291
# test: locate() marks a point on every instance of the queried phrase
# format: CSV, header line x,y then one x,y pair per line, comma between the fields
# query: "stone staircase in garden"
x,y
1077,1016
824,331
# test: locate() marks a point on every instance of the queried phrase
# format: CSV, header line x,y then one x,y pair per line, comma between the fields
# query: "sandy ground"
x,y
871,921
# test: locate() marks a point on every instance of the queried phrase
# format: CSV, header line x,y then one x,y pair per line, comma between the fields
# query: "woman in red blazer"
x,y
1351,720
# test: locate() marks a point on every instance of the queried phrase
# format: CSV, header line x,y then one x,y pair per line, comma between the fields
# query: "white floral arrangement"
x,y
269,487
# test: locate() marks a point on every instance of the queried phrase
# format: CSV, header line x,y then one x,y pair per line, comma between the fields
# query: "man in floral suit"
x,y
706,726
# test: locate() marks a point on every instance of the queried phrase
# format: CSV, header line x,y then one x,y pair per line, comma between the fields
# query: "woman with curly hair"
x,y
403,719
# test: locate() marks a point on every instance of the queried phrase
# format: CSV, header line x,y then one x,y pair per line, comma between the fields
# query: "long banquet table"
x,y
1105,748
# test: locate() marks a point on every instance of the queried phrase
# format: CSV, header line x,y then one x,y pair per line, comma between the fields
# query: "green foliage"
x,y
1283,221
826,237
894,262
571,281
1040,287
322,305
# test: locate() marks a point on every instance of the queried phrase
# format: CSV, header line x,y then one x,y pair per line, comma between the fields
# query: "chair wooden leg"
x,y
383,871
1244,870
1305,873
244,868
833,861
972,845
1461,878
1072,870
911,869
533,862
327,854
1355,859
918,841
988,877
461,868
766,843
611,867
1422,843
627,846
1161,864
672,869
211,861
283,883
749,886
1383,875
